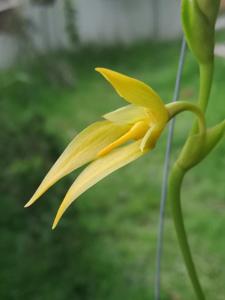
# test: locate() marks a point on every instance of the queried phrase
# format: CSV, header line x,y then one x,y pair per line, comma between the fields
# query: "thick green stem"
x,y
206,77
186,161
175,182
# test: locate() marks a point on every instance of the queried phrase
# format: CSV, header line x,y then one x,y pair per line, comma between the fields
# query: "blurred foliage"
x,y
22,143
27,151
104,248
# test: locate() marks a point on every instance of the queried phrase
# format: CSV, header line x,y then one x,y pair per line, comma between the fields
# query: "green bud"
x,y
191,154
198,20
210,9
198,146
213,136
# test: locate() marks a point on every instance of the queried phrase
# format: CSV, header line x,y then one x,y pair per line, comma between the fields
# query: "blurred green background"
x,y
104,247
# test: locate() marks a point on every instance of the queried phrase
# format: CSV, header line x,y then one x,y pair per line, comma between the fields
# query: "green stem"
x,y
179,169
175,182
206,77
175,108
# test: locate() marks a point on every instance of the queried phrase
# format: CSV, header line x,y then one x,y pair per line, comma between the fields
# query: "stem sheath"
x,y
206,76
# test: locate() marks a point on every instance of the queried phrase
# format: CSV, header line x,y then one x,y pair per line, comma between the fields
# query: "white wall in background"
x,y
126,21
110,21
102,22
9,50
105,21
47,30
169,19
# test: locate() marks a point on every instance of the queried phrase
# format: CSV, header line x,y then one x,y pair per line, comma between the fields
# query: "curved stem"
x,y
175,108
175,182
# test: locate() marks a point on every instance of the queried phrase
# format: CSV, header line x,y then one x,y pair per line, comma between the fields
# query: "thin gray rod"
x,y
159,248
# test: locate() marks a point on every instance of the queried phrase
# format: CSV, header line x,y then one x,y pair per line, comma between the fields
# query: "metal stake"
x,y
159,249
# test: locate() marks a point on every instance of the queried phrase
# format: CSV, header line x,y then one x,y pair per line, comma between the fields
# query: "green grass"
x,y
104,247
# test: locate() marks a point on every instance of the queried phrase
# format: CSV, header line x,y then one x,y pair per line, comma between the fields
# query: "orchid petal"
x,y
136,92
83,148
98,170
129,114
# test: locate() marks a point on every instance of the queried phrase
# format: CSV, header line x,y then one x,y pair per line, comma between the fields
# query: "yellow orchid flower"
x,y
101,143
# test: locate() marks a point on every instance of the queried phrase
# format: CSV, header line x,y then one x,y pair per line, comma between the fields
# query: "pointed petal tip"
x,y
102,71
29,203
33,199
56,221
54,226
99,69
58,216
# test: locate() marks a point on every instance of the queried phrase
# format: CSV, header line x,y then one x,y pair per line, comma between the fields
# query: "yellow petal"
x,y
96,171
83,148
129,114
136,92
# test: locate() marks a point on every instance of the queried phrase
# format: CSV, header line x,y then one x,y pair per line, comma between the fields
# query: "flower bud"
x,y
213,136
210,9
198,20
198,146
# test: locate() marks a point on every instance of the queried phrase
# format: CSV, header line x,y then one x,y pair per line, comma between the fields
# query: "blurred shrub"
x,y
27,149
30,254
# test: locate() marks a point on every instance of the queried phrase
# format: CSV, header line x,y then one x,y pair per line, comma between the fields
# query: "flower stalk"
x,y
198,19
175,108
175,184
